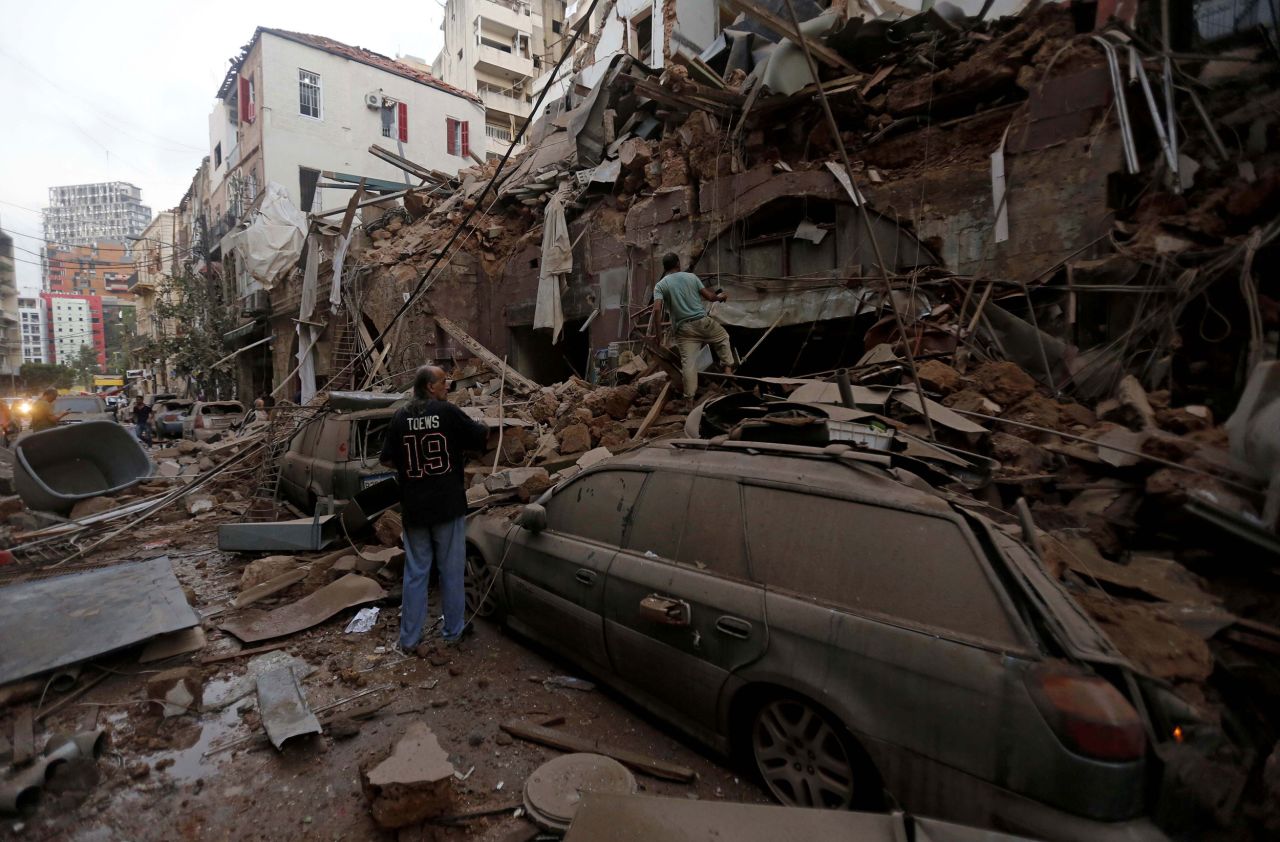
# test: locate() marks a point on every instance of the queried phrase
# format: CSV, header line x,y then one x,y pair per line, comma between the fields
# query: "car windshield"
x,y
369,436
221,409
170,406
77,405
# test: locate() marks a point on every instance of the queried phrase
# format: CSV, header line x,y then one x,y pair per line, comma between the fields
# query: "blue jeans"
x,y
445,544
142,430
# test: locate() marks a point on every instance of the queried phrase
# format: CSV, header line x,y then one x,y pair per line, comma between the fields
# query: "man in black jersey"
x,y
425,444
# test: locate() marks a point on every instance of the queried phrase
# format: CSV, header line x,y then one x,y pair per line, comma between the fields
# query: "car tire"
x,y
479,583
806,757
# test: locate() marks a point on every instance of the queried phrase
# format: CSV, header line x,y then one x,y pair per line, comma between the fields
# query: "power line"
x,y
106,117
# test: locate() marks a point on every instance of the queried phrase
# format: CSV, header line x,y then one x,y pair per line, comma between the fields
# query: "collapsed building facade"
x,y
1023,160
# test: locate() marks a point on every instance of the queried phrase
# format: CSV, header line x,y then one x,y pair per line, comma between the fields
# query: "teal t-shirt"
x,y
679,293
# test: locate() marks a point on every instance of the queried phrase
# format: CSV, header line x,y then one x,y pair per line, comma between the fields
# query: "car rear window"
x,y
77,405
596,506
904,565
693,520
221,409
171,406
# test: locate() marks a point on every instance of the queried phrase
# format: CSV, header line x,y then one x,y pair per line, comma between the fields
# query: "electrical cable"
x,y
427,279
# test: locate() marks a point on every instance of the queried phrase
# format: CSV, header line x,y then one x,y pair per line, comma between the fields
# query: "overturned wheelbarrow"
x,y
55,469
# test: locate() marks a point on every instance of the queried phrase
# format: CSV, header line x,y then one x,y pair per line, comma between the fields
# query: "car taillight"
x,y
1089,715
199,425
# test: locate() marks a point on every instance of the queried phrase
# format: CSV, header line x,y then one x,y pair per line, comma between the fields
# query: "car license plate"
x,y
374,479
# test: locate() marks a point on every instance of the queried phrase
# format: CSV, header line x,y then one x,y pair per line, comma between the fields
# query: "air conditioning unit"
x,y
373,100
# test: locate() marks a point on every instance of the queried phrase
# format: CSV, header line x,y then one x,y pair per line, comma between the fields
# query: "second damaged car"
x,y
859,639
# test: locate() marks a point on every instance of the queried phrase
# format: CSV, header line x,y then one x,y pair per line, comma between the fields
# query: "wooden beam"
x,y
820,51
654,412
484,354
651,766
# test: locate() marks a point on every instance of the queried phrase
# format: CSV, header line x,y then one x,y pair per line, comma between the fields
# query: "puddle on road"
x,y
216,728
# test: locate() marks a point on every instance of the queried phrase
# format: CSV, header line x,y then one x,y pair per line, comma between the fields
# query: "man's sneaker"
x,y
402,652
467,630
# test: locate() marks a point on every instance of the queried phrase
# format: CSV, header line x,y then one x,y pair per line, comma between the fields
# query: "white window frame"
x,y
319,86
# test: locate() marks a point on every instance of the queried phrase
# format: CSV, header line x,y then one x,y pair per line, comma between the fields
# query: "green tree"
x,y
40,376
85,365
197,306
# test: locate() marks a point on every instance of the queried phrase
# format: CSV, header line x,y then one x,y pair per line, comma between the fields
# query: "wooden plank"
x,y
654,412
482,353
783,27
651,766
243,653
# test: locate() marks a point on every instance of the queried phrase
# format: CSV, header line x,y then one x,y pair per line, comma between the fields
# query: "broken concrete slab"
x,y
413,784
511,479
283,706
593,457
177,691
264,569
349,591
71,618
197,503
248,683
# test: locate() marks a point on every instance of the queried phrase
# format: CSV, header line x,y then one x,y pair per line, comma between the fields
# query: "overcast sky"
x,y
122,91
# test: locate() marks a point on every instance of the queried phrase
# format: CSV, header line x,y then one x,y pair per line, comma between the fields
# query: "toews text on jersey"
x,y
426,442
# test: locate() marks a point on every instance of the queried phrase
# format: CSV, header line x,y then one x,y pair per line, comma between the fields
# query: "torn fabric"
x,y
556,264
271,244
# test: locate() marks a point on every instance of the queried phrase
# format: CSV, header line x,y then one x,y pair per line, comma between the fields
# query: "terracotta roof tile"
x,y
370,58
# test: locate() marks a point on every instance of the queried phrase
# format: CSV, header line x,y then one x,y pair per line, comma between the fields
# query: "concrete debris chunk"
x,y
179,691
265,569
413,784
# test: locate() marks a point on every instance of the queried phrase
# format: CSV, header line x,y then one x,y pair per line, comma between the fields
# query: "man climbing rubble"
x,y
683,294
425,443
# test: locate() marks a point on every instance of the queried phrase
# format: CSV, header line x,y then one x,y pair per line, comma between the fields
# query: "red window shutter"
x,y
245,107
402,116
449,123
253,106
466,146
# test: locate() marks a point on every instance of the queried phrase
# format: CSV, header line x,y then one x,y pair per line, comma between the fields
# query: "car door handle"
x,y
734,627
666,611
585,577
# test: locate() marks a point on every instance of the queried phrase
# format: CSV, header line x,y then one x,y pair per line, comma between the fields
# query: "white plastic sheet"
x,y
272,242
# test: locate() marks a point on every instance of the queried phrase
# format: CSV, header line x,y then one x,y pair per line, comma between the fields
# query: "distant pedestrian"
x,y
683,294
42,415
425,443
142,421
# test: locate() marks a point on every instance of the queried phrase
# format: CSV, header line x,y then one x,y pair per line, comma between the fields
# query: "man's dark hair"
x,y
47,392
670,262
426,376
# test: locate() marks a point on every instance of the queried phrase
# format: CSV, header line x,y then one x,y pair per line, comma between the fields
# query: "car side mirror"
x,y
532,517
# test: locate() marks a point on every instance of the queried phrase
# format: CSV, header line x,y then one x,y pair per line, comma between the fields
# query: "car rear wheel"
x,y
803,757
481,601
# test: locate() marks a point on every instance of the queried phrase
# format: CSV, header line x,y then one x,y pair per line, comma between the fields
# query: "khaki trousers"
x,y
690,336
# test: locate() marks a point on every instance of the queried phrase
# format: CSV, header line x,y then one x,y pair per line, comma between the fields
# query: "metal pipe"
x,y
846,389
21,792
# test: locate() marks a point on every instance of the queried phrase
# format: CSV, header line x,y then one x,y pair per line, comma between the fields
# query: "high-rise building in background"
x,y
10,334
496,48
80,214
35,339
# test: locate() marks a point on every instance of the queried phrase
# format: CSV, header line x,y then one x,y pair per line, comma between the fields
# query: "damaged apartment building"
x,y
1044,183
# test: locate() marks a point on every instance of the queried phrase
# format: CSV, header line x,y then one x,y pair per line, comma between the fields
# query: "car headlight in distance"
x,y
24,407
